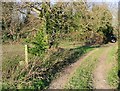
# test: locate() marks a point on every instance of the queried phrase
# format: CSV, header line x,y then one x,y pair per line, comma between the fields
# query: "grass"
x,y
68,44
12,55
112,76
82,78
62,58
39,73
49,68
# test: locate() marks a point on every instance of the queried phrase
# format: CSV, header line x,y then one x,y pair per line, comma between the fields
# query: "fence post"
x,y
26,55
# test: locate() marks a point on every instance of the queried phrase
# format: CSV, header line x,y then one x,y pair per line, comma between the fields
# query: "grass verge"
x,y
39,73
112,76
82,78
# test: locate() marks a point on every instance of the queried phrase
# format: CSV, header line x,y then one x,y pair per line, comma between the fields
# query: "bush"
x,y
39,43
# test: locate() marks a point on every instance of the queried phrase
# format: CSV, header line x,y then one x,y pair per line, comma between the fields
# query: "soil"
x,y
99,74
61,81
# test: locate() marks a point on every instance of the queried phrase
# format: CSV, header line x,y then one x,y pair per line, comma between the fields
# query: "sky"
x,y
62,0
87,0
103,0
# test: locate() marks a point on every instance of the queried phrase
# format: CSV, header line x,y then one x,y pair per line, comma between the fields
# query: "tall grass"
x,y
40,71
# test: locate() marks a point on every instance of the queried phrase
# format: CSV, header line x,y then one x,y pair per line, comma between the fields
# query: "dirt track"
x,y
100,72
60,82
99,80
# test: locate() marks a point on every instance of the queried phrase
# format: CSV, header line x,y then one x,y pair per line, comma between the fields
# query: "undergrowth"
x,y
40,71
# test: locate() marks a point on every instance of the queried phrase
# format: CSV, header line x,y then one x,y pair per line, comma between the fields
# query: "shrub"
x,y
40,43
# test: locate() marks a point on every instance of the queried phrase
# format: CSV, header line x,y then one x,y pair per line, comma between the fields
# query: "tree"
x,y
103,21
40,42
11,23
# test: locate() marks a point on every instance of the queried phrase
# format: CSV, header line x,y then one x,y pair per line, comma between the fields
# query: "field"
x,y
51,65
55,62
96,70
70,45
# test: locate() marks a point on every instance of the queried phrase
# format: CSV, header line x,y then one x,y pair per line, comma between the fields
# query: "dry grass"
x,y
10,51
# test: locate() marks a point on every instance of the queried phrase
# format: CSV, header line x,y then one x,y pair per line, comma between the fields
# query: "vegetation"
x,y
83,76
59,20
112,77
39,73
56,34
39,43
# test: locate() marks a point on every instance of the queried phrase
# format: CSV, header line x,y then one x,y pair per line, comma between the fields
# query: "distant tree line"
x,y
43,25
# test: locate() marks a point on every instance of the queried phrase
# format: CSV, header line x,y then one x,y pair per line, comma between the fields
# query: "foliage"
x,y
39,44
102,21
44,26
39,74
11,23
61,19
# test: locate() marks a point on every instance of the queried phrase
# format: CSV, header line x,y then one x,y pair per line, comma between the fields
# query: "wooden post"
x,y
26,55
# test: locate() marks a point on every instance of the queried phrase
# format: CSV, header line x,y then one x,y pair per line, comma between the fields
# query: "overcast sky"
x,y
103,0
87,0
